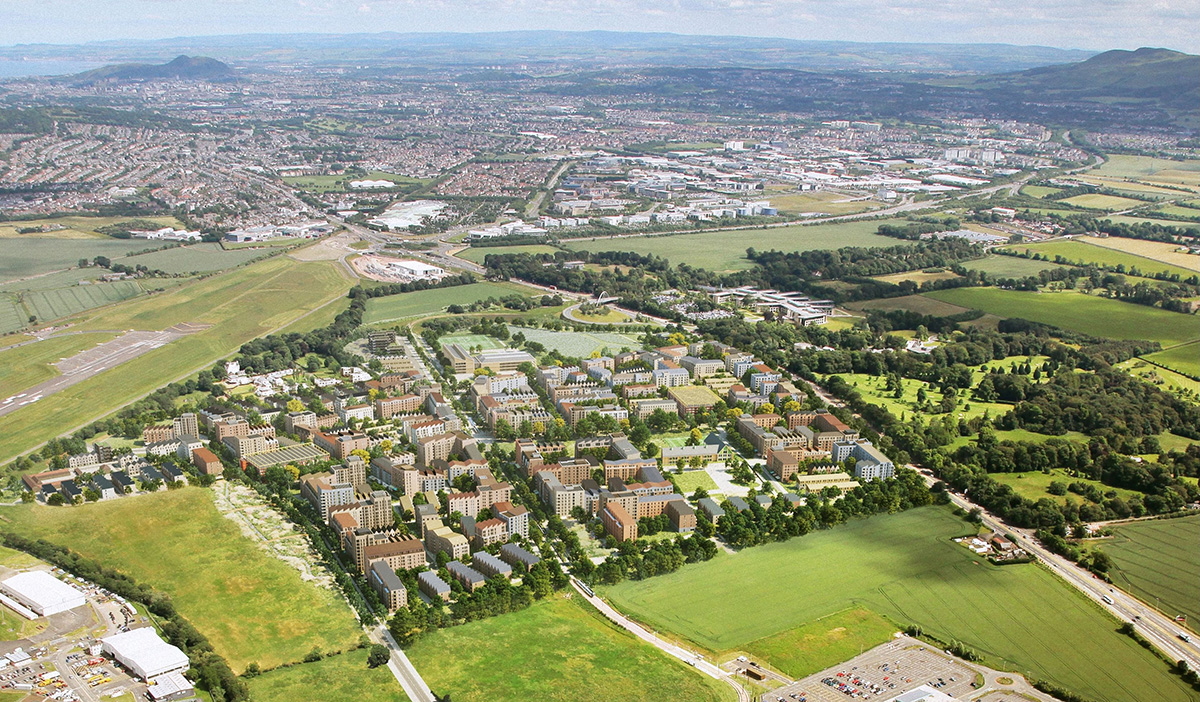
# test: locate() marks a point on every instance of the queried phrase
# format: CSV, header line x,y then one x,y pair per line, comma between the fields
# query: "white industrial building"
x,y
417,270
42,593
144,653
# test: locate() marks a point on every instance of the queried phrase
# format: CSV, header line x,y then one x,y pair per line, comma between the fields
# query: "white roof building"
x,y
144,653
43,593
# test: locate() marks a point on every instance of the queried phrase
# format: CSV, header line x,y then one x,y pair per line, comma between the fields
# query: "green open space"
x,y
1162,251
874,390
689,480
252,607
76,227
1184,359
1096,201
1158,562
1018,435
726,250
197,258
578,344
468,341
240,305
1082,252
1183,172
48,305
906,568
25,366
824,643
1133,219
1039,190
28,256
1088,314
1034,485
51,281
478,254
341,677
426,302
556,650
912,303
918,277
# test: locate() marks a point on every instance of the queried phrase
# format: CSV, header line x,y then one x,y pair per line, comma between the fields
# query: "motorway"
x,y
1161,630
691,658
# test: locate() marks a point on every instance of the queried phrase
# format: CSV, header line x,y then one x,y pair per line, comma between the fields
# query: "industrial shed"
x,y
42,593
144,653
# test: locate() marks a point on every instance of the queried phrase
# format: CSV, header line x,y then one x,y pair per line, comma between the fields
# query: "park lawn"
x,y
1184,359
1033,485
477,254
823,643
726,250
341,677
26,256
1155,250
426,302
917,277
578,344
912,303
1095,201
1085,251
25,366
241,305
608,316
556,650
1087,314
906,568
1159,563
250,606
689,480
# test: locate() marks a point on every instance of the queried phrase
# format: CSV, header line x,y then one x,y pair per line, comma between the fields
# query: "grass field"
x,y
575,344
1039,190
1184,359
1095,201
818,645
240,305
1085,251
913,303
344,677
469,340
26,366
1166,379
820,201
48,305
1033,485
557,650
197,258
726,250
689,480
252,607
12,315
26,256
1154,250
1129,219
874,390
1158,561
1152,169
76,227
904,567
478,254
1088,314
1008,266
917,277
426,302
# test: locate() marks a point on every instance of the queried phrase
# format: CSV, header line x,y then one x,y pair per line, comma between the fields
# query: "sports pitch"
x,y
468,341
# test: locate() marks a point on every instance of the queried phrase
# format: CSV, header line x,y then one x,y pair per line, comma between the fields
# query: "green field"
x,y
252,607
1039,190
426,302
904,567
689,480
1183,359
1095,201
576,344
478,254
1008,266
344,677
77,227
1032,485
49,305
918,277
470,340
12,315
1150,168
874,390
1129,219
1158,562
557,650
1083,252
26,366
726,250
197,258
913,303
240,305
818,645
26,256
1088,314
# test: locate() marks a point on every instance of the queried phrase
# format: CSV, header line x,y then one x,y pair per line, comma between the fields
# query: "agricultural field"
x,y
577,656
12,315
1182,385
76,227
1095,201
341,677
1008,266
905,568
28,256
48,305
1087,314
476,255
1151,169
1184,359
427,302
820,201
1131,219
818,645
918,277
726,250
1085,251
1154,250
242,304
1176,211
196,258
1158,562
251,606
913,303
577,344
25,366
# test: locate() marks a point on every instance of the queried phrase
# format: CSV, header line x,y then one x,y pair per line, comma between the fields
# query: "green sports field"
x,y
252,607
558,650
426,302
906,568
342,677
726,250
1082,252
471,340
1158,561
1088,314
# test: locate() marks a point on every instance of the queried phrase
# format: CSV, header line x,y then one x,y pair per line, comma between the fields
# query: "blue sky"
x,y
1083,24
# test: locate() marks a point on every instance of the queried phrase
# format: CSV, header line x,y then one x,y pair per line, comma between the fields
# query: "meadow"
x,y
477,255
1158,562
874,390
1087,314
48,305
75,227
913,303
1150,168
726,250
823,643
1154,250
1033,485
577,344
242,304
558,650
1184,359
341,677
905,568
252,607
1039,190
426,302
1096,201
1008,266
196,258
1084,251
28,256
918,277
25,366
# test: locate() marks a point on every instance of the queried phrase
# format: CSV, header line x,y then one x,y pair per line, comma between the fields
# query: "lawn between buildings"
x,y
559,649
1158,561
252,607
906,568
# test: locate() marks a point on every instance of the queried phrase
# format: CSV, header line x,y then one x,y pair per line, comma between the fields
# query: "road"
x,y
1161,630
691,658
406,674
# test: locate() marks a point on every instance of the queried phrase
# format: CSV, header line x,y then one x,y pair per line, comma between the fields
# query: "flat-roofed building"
x,y
618,523
388,586
42,593
144,653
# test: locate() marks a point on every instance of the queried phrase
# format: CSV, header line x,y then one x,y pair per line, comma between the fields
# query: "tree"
x,y
295,405
379,655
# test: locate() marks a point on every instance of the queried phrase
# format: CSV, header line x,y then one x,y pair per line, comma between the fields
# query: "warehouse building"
x,y
144,653
42,593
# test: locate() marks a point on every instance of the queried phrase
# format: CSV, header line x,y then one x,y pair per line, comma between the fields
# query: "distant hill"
x,y
181,68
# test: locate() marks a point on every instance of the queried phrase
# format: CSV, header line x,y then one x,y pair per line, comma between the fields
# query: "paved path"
x,y
691,658
406,674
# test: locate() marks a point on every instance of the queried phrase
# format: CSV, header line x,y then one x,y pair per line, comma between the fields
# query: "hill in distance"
x,y
181,68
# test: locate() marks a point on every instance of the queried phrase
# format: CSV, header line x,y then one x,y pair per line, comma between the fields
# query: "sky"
x,y
1080,24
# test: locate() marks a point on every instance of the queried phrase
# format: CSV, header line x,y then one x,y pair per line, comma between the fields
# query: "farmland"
x,y
726,250
576,344
1008,266
1152,169
33,256
905,568
48,305
1096,201
1158,561
918,277
478,254
1039,190
1184,359
252,607
820,201
1078,312
913,303
577,655
1154,250
197,258
1085,251
341,677
426,302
